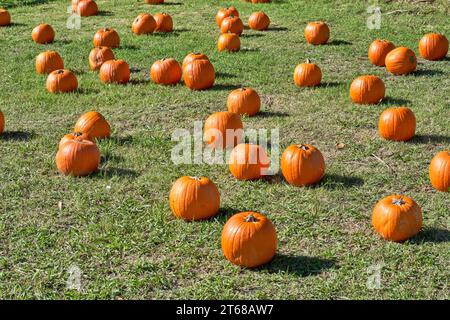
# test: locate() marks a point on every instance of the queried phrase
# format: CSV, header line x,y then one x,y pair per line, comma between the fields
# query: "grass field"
x,y
116,226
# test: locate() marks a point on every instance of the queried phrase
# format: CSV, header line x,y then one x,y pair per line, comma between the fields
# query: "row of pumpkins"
x,y
248,238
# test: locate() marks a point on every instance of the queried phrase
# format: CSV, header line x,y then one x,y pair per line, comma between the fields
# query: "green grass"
x,y
116,226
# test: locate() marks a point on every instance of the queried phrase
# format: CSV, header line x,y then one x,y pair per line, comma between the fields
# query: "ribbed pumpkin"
x,y
193,56
94,125
439,171
61,81
48,61
166,71
223,130
5,18
199,74
397,218
398,124
43,34
154,1
224,13
302,165
229,42
249,239
232,24
106,37
78,157
259,21
2,122
164,22
367,90
98,56
74,136
317,33
248,162
307,74
194,198
143,24
400,61
433,46
378,51
115,71
244,101
87,8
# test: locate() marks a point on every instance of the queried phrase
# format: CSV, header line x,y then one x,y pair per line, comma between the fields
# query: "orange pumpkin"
x,y
78,157
367,90
106,37
154,1
193,56
75,5
229,42
317,33
433,46
244,101
248,162
258,21
2,122
143,24
398,124
164,22
199,74
94,125
260,1
400,61
61,80
166,71
307,74
48,61
232,24
115,71
43,34
223,130
439,171
194,198
98,56
224,13
397,218
249,239
74,136
87,8
302,165
5,18
378,51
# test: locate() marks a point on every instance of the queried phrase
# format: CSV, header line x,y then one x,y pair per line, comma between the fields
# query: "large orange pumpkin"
x,y
43,34
244,101
378,51
78,157
224,13
164,22
61,81
317,33
106,37
94,125
199,74
433,46
143,24
5,18
232,24
193,56
302,164
439,171
74,136
229,42
98,56
115,71
367,90
2,122
248,162
166,71
249,239
397,218
194,198
48,61
398,124
400,61
307,74
223,130
87,8
258,21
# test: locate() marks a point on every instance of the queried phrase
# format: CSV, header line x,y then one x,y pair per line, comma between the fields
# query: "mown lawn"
x,y
116,226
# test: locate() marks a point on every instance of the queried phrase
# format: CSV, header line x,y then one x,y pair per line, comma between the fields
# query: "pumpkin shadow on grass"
x,y
171,4
87,91
330,84
115,172
277,29
225,75
139,82
16,24
105,13
252,35
17,136
337,181
301,266
224,86
430,138
248,50
389,101
431,235
426,72
128,47
270,114
338,42
225,213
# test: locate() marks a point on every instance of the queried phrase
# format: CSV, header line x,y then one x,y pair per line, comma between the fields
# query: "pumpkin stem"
x,y
251,218
398,202
303,147
77,134
308,61
195,178
60,71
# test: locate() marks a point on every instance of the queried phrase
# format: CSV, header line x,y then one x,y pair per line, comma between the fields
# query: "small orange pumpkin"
x,y
199,74
94,125
259,21
193,56
48,61
244,101
249,239
115,71
307,74
154,1
397,218
439,171
400,61
260,1
87,8
5,18
229,42
106,37
398,124
367,90
317,33
194,198
43,34
378,51
61,80
74,136
224,13
164,22
78,157
98,56
433,46
302,165
232,24
248,162
143,24
223,130
2,122
166,71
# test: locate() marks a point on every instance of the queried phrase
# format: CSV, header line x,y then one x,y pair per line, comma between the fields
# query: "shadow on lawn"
x,y
225,75
17,136
225,86
430,138
394,101
431,235
116,172
337,181
269,114
301,266
339,42
105,13
426,72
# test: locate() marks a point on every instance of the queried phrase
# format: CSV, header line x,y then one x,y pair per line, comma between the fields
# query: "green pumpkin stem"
x,y
251,218
398,202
